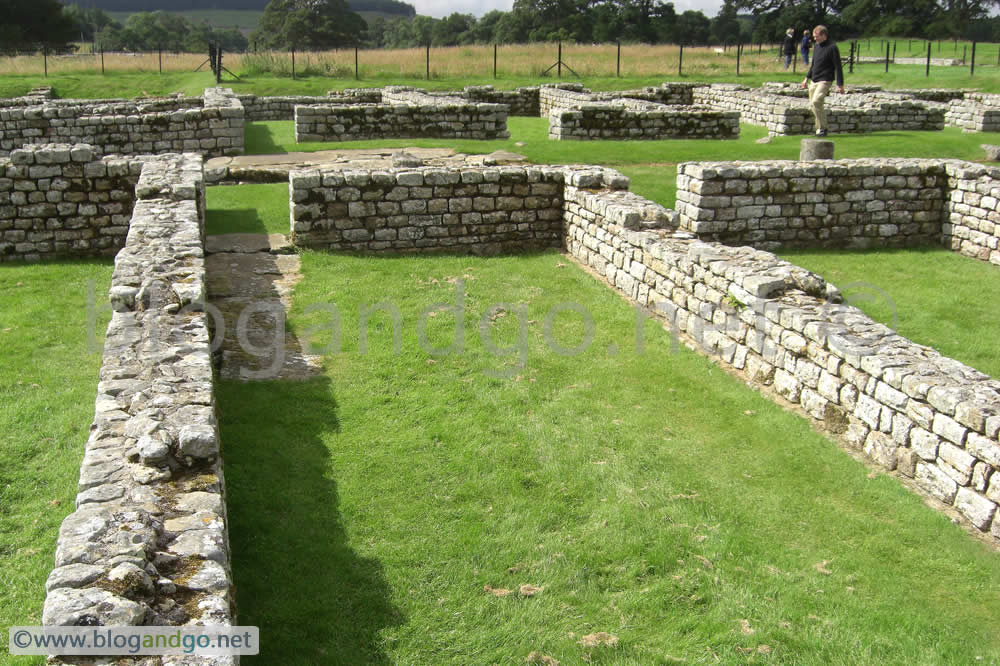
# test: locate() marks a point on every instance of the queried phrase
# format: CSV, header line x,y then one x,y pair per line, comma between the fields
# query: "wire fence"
x,y
557,60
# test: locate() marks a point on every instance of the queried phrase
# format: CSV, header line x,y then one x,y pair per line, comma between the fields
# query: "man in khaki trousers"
x,y
823,71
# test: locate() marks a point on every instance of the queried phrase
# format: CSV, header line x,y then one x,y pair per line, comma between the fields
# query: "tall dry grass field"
x,y
34,65
513,61
521,60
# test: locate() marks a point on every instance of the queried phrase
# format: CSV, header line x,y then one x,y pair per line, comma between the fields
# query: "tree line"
x,y
325,24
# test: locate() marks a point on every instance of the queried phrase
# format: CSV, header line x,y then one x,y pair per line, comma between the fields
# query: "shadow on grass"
x,y
244,221
297,578
258,140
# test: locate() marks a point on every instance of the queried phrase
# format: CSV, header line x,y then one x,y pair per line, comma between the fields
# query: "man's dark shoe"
x,y
821,132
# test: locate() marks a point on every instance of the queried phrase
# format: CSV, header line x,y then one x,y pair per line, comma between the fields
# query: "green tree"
x,y
725,25
30,25
692,28
309,24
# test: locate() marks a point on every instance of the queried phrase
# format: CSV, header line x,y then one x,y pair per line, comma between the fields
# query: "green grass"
x,y
255,209
651,495
931,296
47,381
650,164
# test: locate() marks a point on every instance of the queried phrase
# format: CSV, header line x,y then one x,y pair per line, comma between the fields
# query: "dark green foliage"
x,y
31,25
145,31
302,24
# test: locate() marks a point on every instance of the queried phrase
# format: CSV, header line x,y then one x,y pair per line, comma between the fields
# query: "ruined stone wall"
x,y
147,543
258,108
440,119
972,222
60,200
843,204
477,210
903,405
633,119
213,126
976,112
786,115
520,102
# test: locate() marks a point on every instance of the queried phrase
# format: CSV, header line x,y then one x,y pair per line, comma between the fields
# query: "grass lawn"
x,y
650,164
932,296
51,344
257,209
650,495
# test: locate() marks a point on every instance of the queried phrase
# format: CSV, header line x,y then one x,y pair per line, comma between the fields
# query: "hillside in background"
x,y
388,7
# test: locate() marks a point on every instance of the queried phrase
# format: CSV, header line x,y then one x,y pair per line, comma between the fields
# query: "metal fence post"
x,y
102,59
927,73
739,50
680,61
972,64
293,63
887,57
559,60
428,62
494,61
159,51
618,64
45,59
357,75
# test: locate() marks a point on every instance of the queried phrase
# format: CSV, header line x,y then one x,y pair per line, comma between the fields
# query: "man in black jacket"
x,y
825,68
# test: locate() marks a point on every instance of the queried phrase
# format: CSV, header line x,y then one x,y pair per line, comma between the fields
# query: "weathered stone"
x,y
198,441
816,149
75,607
975,507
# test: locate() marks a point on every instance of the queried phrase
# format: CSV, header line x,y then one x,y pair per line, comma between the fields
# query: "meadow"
x,y
597,66
658,511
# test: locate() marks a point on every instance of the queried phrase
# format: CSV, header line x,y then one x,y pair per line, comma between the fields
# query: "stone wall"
x,y
212,125
972,224
259,108
976,112
520,102
844,204
786,115
479,210
147,543
626,119
405,113
903,405
573,95
59,200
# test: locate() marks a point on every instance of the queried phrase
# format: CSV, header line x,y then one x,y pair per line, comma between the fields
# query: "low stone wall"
x,y
633,119
258,108
147,543
520,102
479,210
785,115
845,204
650,113
60,200
976,112
972,222
405,113
903,405
212,125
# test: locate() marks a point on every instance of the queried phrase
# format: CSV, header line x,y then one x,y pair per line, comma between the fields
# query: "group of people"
x,y
826,68
789,45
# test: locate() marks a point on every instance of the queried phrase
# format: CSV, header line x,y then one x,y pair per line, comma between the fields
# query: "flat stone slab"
x,y
248,243
378,157
250,282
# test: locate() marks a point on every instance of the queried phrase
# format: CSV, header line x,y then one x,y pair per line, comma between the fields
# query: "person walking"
x,y
788,46
824,70
806,44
